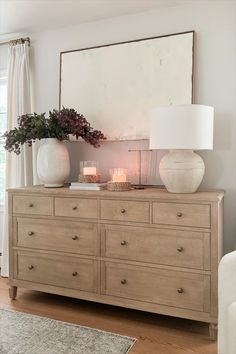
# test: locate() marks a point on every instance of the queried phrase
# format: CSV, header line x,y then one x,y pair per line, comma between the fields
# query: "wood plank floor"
x,y
156,334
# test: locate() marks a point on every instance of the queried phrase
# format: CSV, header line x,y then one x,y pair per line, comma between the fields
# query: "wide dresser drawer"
x,y
180,214
123,210
65,236
62,271
76,207
32,205
161,246
172,288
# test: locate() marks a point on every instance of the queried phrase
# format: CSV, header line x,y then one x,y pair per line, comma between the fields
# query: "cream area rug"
x,y
22,333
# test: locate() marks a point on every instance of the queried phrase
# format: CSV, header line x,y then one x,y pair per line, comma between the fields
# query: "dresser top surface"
x,y
147,193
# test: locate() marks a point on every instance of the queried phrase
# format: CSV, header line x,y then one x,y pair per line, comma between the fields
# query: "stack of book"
x,y
88,186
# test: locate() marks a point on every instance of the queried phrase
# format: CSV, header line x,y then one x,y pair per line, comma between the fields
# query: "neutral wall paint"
x,y
214,23
3,58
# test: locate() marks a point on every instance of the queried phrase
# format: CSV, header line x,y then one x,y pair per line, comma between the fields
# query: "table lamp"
x,y
182,129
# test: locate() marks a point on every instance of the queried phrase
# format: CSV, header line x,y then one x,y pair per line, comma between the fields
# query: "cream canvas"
x,y
116,86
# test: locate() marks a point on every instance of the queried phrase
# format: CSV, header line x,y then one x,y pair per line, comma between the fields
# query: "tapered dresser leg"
x,y
213,331
13,292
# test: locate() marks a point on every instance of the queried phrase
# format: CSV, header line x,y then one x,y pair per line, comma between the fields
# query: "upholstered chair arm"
x,y
227,304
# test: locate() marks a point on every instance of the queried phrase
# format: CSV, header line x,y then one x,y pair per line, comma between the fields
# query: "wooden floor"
x,y
155,334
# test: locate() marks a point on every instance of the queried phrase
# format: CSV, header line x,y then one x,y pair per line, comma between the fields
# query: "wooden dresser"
x,y
144,249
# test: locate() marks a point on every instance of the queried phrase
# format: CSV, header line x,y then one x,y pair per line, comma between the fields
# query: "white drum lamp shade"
x,y
182,129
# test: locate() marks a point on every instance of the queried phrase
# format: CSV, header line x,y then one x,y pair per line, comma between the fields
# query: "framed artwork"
x,y
115,86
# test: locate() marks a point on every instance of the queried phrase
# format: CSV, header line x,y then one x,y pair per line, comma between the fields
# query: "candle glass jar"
x,y
89,172
118,174
118,180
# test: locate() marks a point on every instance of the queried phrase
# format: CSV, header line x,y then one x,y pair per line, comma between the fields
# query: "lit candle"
x,y
89,171
119,175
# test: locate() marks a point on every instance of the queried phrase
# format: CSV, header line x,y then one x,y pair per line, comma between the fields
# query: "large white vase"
x,y
53,163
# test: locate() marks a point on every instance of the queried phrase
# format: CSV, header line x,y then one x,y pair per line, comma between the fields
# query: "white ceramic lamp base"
x,y
181,171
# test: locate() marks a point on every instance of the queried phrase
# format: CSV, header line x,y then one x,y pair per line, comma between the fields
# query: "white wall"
x,y
214,23
3,57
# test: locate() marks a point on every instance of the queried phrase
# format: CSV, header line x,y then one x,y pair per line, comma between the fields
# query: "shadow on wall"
x,y
116,154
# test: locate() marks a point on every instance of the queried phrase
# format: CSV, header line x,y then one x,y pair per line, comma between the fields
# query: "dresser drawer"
x,y
32,205
173,288
161,246
62,271
76,207
75,237
197,215
123,210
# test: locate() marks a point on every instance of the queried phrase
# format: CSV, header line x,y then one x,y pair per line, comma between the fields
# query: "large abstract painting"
x,y
116,86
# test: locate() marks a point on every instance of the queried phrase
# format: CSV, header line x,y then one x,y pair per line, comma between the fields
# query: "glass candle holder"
x,y
89,172
118,174
118,182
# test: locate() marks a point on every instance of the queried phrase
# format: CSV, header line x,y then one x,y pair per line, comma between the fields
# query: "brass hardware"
x,y
179,214
74,274
123,211
31,267
123,281
74,207
17,41
123,243
180,290
180,249
30,233
75,237
31,205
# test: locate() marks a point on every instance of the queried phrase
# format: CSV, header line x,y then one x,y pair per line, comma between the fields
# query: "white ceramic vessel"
x,y
53,163
182,171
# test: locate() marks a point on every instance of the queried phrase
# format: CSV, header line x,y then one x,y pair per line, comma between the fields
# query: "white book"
x,y
92,188
90,185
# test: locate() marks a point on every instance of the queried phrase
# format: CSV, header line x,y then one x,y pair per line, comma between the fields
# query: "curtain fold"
x,y
19,169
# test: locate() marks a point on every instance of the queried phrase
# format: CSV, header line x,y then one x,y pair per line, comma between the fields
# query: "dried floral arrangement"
x,y
59,124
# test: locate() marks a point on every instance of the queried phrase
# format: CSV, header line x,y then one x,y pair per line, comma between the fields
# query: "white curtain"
x,y
19,169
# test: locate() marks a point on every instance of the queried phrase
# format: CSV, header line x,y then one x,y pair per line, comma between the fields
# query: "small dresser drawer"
x,y
62,271
160,246
173,288
181,214
62,236
123,210
32,205
76,207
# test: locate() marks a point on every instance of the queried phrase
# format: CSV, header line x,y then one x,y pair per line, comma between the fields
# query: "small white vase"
x,y
53,163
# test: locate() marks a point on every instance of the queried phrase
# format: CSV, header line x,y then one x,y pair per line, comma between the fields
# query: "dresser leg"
x,y
213,331
13,292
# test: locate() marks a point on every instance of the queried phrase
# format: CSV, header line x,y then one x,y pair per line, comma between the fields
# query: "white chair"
x,y
227,304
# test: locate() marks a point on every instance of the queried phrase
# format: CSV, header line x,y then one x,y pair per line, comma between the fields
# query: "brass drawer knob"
x,y
180,290
31,205
123,281
75,237
180,249
74,207
123,243
30,267
123,211
30,233
179,214
75,274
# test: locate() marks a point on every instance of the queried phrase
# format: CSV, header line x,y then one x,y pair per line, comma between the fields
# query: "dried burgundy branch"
x,y
59,124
